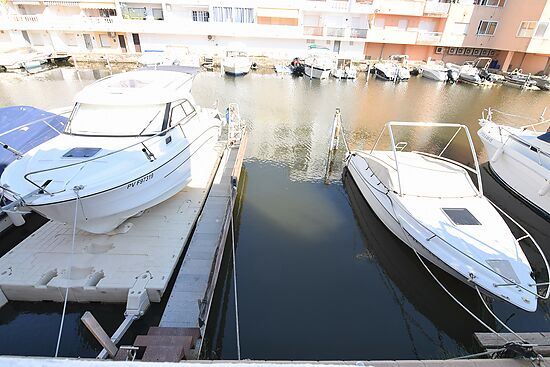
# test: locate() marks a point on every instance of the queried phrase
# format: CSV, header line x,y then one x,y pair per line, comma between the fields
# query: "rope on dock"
x,y
69,262
235,283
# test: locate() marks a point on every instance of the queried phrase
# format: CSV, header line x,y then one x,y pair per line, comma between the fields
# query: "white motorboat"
x,y
319,62
236,60
393,69
431,203
474,72
517,79
520,157
132,141
438,72
23,57
344,69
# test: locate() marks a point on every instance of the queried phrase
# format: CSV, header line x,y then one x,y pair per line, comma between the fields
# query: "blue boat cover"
x,y
23,128
545,137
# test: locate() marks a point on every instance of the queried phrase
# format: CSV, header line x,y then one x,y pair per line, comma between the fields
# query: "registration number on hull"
x,y
139,181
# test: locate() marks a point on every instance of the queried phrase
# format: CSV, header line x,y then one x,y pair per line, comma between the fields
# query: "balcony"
x,y
40,22
335,32
399,7
358,33
327,5
392,36
429,38
313,31
362,6
434,8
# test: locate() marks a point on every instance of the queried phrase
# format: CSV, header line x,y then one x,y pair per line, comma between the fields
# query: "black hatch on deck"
x,y
81,152
545,137
461,216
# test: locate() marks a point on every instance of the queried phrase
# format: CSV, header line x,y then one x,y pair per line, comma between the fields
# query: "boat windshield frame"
x,y
165,120
459,127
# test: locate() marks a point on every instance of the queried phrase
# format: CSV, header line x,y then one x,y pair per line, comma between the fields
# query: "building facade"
x,y
514,33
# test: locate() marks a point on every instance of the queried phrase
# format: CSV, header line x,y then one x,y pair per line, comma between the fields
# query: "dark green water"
x,y
319,276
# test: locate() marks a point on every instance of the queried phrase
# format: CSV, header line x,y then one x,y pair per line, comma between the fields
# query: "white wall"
x,y
278,48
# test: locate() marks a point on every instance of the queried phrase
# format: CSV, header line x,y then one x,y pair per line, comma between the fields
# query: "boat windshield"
x,y
545,137
105,120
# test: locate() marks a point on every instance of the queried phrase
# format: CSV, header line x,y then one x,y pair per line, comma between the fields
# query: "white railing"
x,y
358,33
313,31
335,32
429,37
436,8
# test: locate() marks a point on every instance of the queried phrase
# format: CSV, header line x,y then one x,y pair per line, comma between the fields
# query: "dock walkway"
x,y
190,299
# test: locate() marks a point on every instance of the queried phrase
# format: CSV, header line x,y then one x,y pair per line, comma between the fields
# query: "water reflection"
x,y
319,276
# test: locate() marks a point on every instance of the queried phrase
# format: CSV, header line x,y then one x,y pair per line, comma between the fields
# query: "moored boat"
x,y
133,140
430,202
520,158
236,60
319,62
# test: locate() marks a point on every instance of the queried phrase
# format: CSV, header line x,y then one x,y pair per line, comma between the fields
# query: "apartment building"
x,y
514,33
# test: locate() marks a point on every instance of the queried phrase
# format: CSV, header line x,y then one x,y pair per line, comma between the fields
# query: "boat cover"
x,y
23,128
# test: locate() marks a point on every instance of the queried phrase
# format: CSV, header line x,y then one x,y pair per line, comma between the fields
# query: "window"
x,y
403,24
104,40
181,111
200,16
157,14
379,23
233,15
526,29
460,28
136,13
486,28
541,29
178,114
188,108
105,120
310,41
490,2
106,13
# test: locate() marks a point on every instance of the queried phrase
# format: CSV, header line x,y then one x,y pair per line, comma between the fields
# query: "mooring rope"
x,y
235,286
69,262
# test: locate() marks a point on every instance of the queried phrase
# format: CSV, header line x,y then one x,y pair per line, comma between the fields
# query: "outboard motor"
x,y
451,76
484,75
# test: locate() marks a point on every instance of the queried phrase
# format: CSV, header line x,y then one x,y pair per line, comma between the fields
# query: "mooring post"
x,y
368,73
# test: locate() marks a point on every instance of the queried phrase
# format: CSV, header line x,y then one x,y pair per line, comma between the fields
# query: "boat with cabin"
x,y
344,69
319,62
132,141
393,69
236,61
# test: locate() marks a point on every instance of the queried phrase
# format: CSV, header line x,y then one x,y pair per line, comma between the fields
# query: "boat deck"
x,y
108,268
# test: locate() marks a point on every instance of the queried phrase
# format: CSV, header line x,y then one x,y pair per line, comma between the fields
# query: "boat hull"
x,y
426,243
516,165
316,72
437,75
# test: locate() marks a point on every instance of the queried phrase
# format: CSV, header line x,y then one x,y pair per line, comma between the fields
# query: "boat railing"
x,y
400,147
146,151
508,282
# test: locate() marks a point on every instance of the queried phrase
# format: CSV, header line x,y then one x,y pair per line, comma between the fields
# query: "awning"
x,y
97,6
277,13
61,3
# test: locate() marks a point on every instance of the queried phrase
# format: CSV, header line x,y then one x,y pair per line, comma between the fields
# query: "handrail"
x,y
485,266
103,156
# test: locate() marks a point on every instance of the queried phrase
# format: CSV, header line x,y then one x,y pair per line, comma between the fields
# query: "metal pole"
x,y
395,157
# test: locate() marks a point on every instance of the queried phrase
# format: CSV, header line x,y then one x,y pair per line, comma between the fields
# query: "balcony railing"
x,y
358,33
313,31
335,32
429,37
436,8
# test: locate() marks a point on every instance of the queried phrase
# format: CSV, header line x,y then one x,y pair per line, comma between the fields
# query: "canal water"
x,y
319,276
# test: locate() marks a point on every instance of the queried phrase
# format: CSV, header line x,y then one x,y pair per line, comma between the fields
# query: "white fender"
x,y
16,218
544,189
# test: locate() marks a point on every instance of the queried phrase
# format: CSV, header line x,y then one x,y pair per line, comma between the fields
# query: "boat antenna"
x,y
541,117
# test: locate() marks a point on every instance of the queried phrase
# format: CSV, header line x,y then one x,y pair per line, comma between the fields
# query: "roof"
x,y
138,87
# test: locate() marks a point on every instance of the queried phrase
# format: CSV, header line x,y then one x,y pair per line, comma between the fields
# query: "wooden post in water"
x,y
97,331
